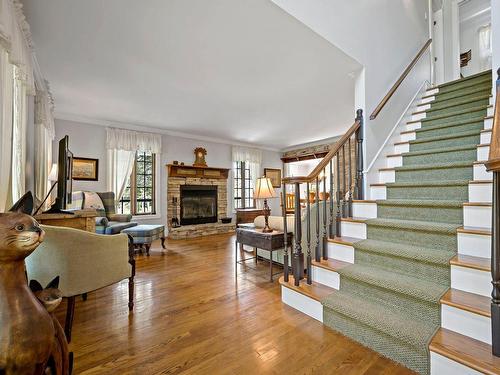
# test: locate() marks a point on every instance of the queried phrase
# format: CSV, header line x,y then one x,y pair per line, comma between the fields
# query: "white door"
x,y
437,45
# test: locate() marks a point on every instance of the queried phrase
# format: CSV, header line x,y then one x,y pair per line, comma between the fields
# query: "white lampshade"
x,y
53,173
263,189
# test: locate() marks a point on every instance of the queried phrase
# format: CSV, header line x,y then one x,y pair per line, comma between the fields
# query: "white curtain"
x,y
20,116
44,136
122,146
251,156
6,83
485,48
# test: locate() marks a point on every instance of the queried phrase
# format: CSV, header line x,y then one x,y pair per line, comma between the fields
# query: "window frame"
x,y
133,187
242,172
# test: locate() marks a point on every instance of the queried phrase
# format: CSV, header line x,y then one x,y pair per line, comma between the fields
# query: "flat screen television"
x,y
64,178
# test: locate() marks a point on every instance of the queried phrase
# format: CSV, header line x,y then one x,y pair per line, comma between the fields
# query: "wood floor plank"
x,y
193,316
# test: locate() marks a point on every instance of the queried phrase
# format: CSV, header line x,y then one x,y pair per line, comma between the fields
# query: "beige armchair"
x,y
84,262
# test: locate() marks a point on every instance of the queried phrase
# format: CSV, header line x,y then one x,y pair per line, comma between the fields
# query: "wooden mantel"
x,y
196,172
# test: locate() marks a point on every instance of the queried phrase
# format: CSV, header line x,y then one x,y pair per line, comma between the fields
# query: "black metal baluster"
x,y
338,217
325,218
344,183
359,164
495,267
308,235
349,205
285,240
318,253
331,229
298,257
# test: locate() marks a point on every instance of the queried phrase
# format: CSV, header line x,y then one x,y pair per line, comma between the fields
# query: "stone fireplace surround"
x,y
197,230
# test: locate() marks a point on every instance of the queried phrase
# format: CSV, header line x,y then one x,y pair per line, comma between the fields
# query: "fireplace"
x,y
198,204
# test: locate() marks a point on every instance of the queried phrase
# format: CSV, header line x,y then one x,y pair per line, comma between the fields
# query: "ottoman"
x,y
144,235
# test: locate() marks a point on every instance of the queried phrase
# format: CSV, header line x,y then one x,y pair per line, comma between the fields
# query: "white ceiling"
x,y
235,70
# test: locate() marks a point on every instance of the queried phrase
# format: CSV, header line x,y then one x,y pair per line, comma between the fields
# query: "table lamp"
x,y
264,190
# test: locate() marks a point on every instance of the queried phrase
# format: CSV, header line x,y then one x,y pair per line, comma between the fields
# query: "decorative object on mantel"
x,y
175,162
264,190
28,336
85,169
226,220
274,175
200,153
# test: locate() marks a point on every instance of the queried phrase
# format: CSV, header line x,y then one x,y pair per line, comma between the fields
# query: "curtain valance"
x,y
129,140
44,112
15,37
251,155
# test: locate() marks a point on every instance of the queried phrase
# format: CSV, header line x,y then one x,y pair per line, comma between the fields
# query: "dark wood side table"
x,y
254,237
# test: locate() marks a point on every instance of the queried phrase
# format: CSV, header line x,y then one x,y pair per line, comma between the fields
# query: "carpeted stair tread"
x,y
416,225
455,113
440,150
376,313
448,136
485,88
460,164
420,203
419,253
396,282
458,103
485,75
479,119
428,183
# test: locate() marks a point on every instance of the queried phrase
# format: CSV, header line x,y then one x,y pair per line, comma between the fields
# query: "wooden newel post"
x,y
298,256
359,161
493,165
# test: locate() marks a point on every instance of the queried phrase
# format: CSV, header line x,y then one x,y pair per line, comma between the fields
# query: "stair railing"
x,y
493,165
343,166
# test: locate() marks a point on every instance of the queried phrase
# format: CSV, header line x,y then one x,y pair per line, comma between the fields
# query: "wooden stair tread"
x,y
474,230
331,264
394,155
469,261
467,301
378,184
364,201
486,131
354,219
344,240
465,350
481,182
478,204
387,169
315,291
408,131
483,145
401,143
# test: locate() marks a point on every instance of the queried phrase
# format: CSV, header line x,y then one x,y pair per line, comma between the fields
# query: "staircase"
x,y
408,273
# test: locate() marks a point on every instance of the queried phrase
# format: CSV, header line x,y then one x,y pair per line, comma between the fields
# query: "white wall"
x,y
383,36
87,140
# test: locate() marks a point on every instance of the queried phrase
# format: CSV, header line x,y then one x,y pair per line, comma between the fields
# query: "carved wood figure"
x,y
26,328
61,360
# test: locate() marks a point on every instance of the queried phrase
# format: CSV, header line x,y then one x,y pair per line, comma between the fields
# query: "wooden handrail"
x,y
328,157
400,80
493,163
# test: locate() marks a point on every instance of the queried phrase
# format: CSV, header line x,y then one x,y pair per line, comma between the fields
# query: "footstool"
x,y
144,235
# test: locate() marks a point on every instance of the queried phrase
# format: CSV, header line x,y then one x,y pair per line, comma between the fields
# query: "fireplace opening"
x,y
198,204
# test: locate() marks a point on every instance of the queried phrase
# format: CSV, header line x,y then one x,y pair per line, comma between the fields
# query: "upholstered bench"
x,y
143,235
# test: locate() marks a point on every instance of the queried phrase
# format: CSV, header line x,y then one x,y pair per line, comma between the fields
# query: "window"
x,y
139,195
242,185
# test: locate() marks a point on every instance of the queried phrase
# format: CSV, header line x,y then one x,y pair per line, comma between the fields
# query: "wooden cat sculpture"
x,y
26,328
61,359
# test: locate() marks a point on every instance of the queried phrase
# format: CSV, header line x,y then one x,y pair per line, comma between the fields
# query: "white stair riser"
x,y
480,192
302,303
378,192
466,323
353,229
477,245
471,280
483,152
401,148
490,112
427,100
417,116
485,138
480,173
326,277
423,107
386,176
366,210
394,161
441,365
477,216
488,123
411,126
341,252
405,137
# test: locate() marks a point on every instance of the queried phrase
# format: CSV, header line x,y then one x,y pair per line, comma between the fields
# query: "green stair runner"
x,y
389,299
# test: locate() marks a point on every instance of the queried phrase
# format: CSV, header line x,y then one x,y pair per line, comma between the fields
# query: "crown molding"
x,y
153,129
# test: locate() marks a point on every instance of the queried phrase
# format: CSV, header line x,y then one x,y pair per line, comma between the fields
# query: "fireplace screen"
x,y
198,204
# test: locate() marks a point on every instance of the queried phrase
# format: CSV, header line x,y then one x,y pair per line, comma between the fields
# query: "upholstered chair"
x,y
84,262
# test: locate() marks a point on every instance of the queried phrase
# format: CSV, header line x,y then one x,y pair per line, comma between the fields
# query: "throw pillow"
x,y
92,201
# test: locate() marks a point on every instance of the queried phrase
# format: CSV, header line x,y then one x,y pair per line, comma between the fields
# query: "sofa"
x,y
107,221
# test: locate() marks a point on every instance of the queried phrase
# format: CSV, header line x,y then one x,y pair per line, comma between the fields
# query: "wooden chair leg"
x,y
70,313
163,242
131,293
147,246
84,296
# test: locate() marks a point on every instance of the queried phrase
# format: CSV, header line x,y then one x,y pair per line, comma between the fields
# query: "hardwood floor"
x,y
193,316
